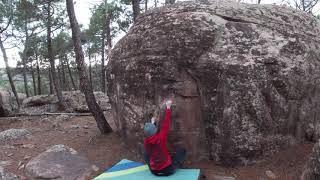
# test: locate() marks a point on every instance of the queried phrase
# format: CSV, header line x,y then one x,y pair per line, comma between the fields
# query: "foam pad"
x,y
130,170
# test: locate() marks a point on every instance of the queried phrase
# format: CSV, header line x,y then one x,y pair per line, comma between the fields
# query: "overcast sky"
x,y
83,13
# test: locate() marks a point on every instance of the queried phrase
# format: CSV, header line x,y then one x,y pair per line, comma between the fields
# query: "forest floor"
x,y
81,134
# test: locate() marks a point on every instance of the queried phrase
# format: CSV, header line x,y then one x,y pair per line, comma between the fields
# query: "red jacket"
x,y
156,146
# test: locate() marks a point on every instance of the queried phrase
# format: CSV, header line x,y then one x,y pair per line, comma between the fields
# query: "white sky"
x,y
82,9
83,13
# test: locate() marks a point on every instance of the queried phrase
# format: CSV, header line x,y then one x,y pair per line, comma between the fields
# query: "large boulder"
x,y
75,102
312,167
8,103
244,77
60,163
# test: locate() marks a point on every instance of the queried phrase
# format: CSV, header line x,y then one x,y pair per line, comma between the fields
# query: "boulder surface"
x,y
244,78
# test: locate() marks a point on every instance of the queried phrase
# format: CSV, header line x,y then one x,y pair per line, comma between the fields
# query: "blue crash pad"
x,y
130,170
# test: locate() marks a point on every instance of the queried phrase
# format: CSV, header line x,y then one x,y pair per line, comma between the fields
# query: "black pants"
x,y
177,160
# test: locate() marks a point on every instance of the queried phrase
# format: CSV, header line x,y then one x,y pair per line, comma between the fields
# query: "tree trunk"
x,y
24,72
62,77
51,60
90,70
103,77
146,5
94,108
135,9
98,76
64,81
70,73
24,59
155,3
109,41
5,58
50,82
39,78
259,1
33,81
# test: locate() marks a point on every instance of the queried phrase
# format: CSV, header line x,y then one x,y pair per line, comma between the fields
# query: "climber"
x,y
156,154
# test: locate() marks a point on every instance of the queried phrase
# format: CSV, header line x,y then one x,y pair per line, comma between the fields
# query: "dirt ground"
x,y
81,134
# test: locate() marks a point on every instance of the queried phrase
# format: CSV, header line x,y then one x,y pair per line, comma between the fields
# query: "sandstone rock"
x,y
40,100
312,167
51,108
59,162
13,134
8,104
75,102
5,175
239,74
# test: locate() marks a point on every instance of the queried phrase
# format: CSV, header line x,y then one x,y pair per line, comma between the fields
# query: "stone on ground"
x,y
60,163
13,134
271,175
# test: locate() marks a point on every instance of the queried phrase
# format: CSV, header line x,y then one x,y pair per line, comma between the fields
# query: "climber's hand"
x,y
168,104
153,120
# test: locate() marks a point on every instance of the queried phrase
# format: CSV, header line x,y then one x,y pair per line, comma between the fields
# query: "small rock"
x,y
75,126
56,125
95,168
30,146
270,174
9,155
85,127
13,134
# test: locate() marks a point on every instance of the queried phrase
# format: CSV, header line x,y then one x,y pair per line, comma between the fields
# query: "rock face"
x,y
75,102
13,134
312,168
8,104
244,78
60,163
